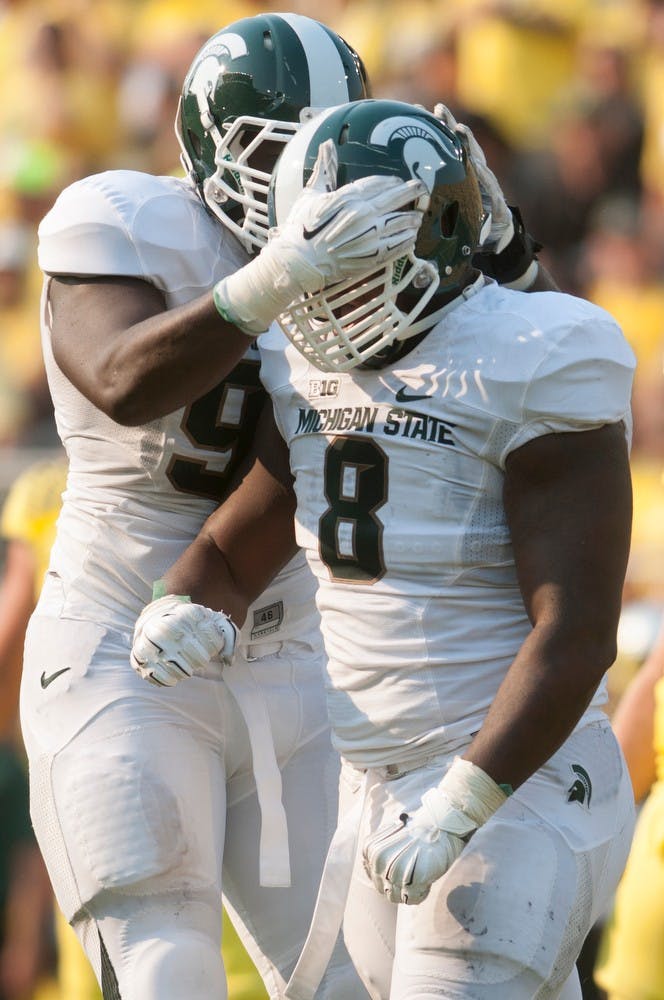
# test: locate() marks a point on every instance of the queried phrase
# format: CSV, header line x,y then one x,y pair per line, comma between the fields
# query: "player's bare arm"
x,y
136,360
249,538
568,503
205,595
142,360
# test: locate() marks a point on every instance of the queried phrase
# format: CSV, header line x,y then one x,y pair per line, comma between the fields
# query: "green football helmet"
x,y
353,322
247,92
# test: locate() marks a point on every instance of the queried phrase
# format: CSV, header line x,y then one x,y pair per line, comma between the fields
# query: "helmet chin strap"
x,y
415,334
450,300
393,352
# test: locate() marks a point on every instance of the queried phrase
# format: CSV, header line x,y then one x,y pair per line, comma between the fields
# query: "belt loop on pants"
x,y
330,905
274,857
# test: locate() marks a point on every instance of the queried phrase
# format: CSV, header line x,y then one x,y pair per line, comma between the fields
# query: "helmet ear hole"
x,y
448,219
343,135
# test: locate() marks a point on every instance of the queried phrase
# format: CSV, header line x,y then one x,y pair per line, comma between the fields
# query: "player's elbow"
x,y
601,652
130,412
123,398
123,408
592,647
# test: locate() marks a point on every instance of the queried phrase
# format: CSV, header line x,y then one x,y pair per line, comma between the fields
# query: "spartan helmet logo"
x,y
421,150
423,159
205,73
451,224
203,80
230,45
581,788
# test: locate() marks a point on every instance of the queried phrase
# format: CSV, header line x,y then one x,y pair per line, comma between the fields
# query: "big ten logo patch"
x,y
323,388
267,620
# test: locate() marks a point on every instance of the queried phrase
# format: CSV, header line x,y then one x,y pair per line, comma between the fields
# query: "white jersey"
x,y
137,496
399,477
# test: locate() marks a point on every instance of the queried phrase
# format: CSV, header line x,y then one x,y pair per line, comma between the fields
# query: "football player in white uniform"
x,y
458,455
142,795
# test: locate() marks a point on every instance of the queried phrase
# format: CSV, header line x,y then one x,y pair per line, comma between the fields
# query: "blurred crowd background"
x,y
565,96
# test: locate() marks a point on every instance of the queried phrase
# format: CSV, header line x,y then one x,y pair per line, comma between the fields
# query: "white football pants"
x,y
509,918
144,804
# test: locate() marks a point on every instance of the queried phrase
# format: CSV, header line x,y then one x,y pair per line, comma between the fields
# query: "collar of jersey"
x,y
432,319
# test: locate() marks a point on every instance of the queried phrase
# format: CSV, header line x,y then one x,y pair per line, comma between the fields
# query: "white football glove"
x,y
405,859
329,235
500,230
174,639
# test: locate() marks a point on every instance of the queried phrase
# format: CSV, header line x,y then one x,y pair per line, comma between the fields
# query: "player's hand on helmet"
x,y
405,859
501,229
338,232
330,234
175,639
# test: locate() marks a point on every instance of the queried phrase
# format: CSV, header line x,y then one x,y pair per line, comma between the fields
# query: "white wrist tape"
x,y
254,296
467,789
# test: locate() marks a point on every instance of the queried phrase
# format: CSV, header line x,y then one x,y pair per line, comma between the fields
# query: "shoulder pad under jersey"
x,y
119,222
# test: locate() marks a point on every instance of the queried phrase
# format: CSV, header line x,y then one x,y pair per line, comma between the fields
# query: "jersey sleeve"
x,y
85,233
125,223
582,382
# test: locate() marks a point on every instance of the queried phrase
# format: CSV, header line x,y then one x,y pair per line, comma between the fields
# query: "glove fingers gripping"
x,y
498,228
393,231
194,653
443,114
386,237
395,194
376,861
475,150
354,210
174,639
404,873
400,232
324,175
146,654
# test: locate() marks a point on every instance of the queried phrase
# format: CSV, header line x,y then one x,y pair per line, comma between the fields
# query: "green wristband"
x,y
227,313
159,590
222,307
